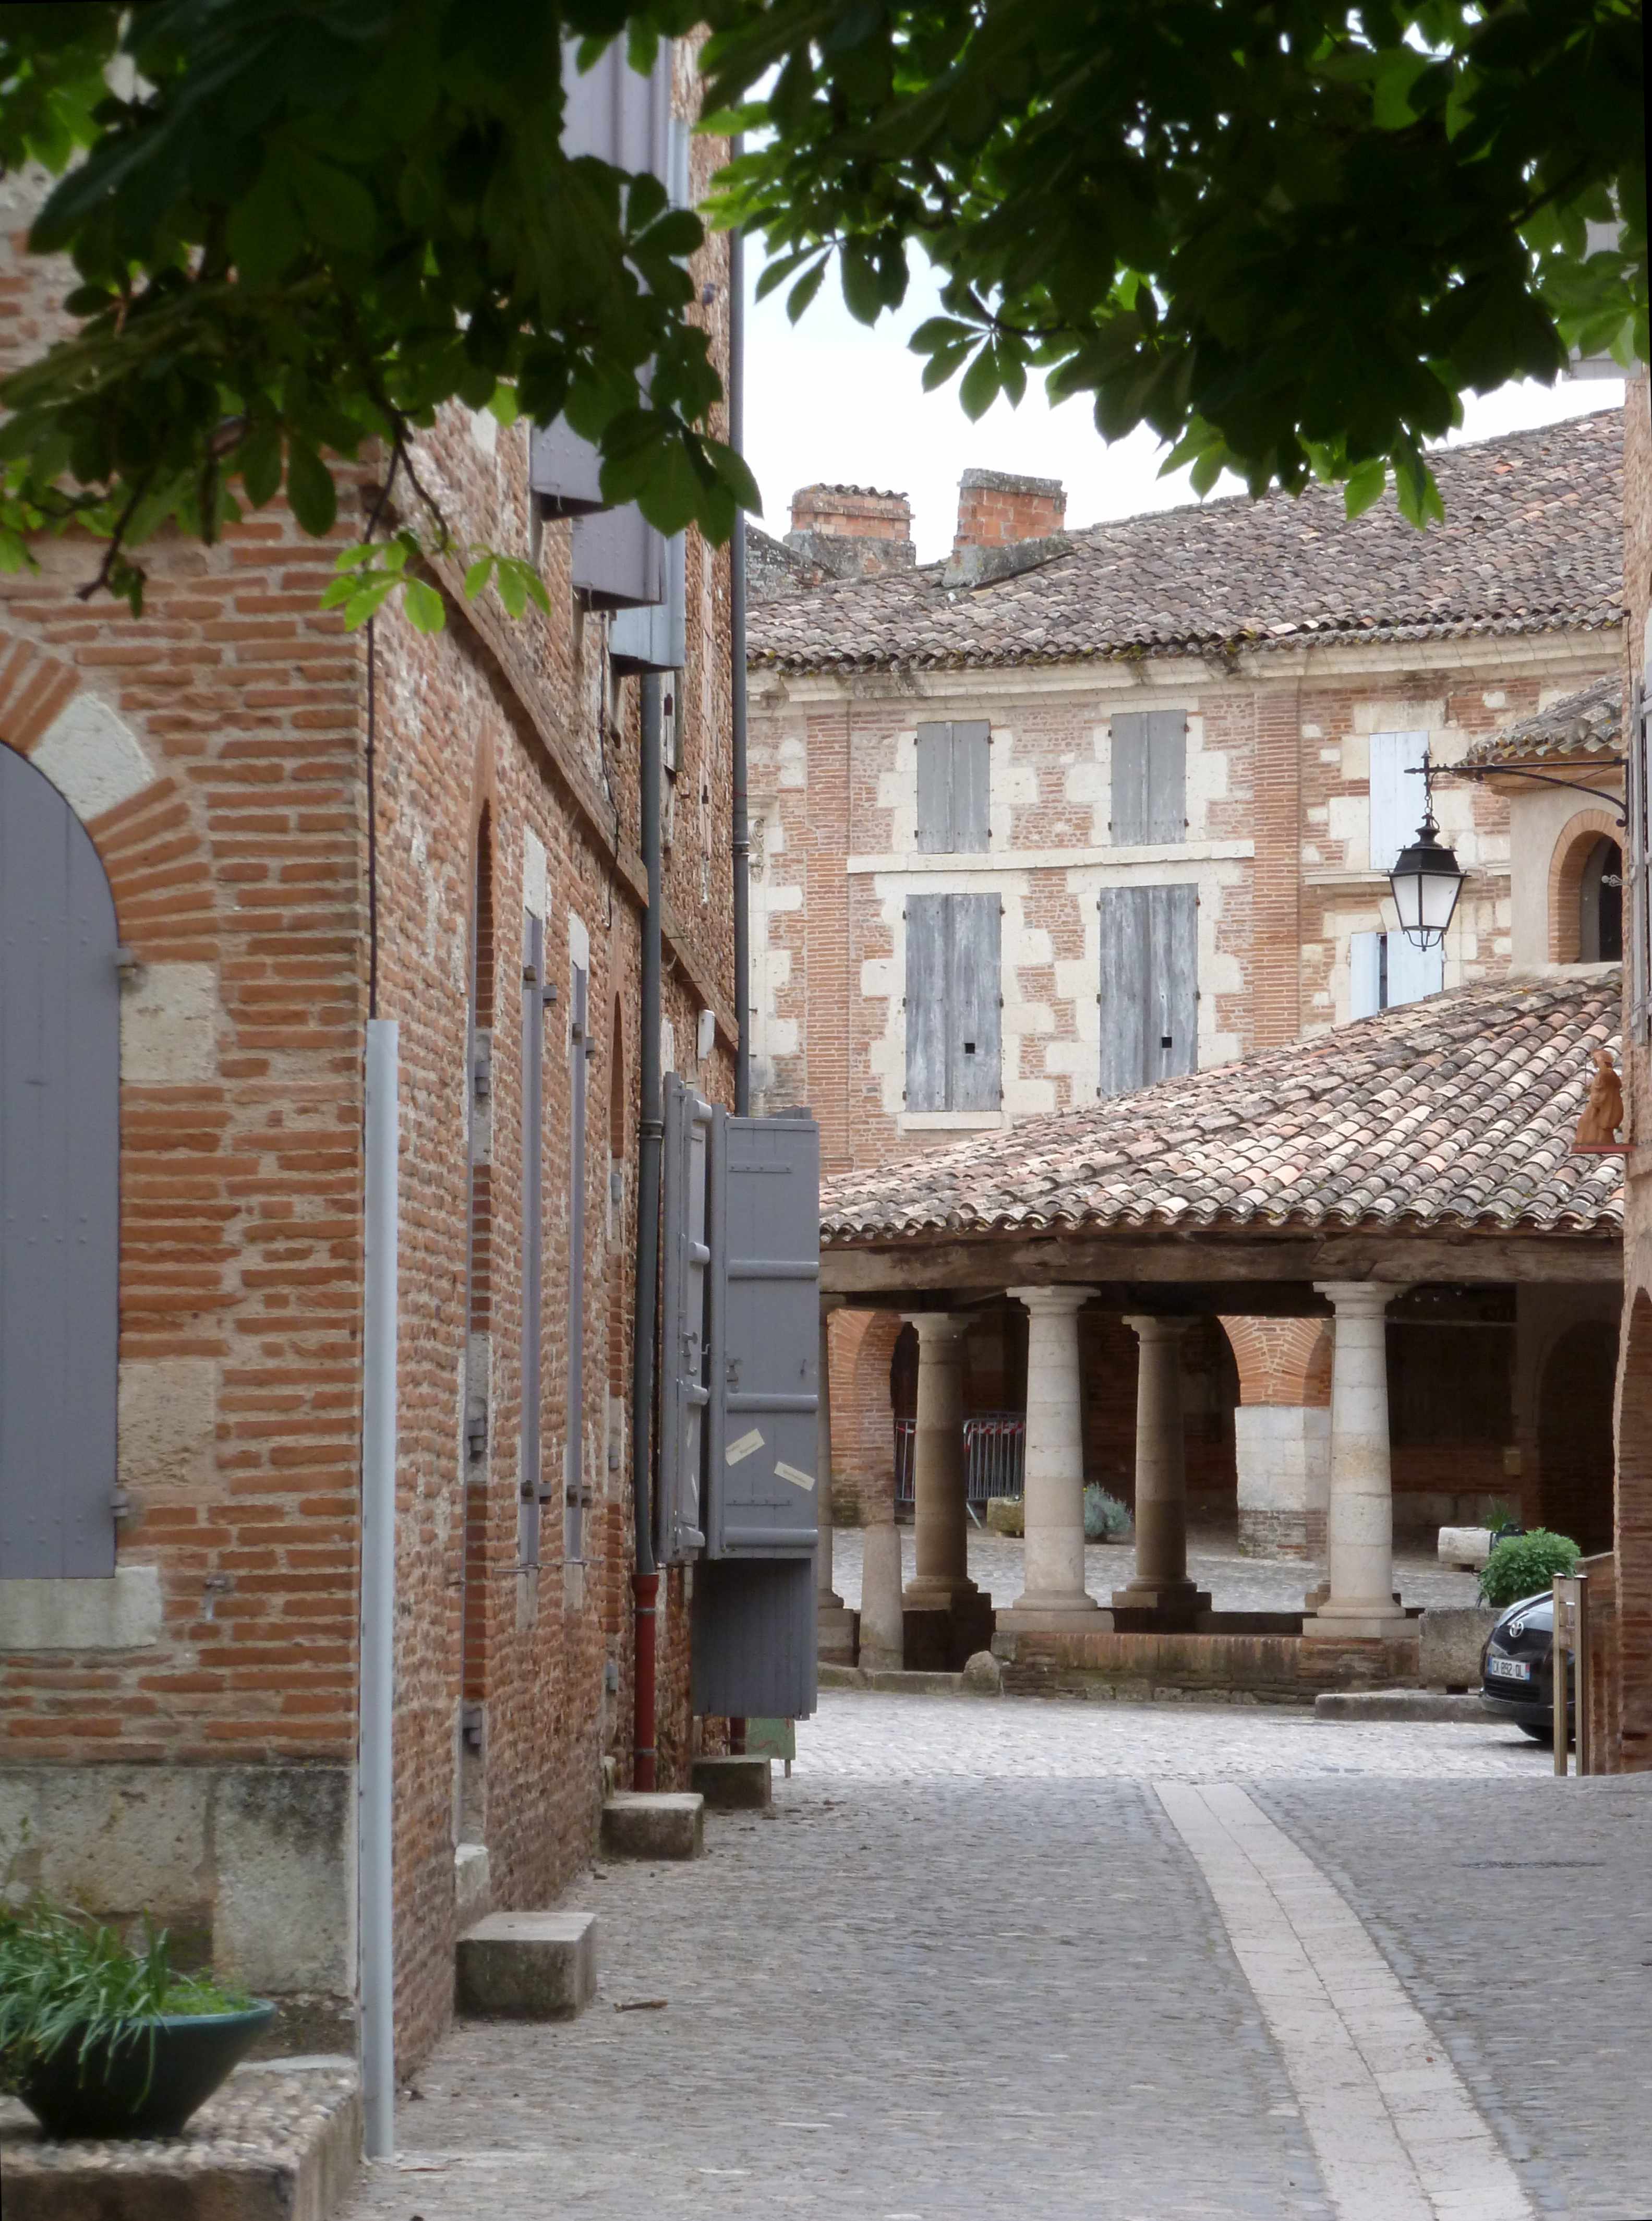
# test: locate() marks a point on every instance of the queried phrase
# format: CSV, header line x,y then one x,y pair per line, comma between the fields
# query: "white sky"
x,y
828,400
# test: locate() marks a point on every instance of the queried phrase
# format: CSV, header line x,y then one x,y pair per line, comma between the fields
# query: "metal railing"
x,y
995,1456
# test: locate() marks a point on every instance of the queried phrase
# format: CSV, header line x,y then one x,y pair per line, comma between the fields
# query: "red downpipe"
x,y
645,1590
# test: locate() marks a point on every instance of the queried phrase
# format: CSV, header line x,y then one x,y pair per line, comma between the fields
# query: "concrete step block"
x,y
654,1824
735,1784
528,1966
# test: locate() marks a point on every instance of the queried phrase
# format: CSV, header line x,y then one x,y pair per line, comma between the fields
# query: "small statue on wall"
x,y
1603,1114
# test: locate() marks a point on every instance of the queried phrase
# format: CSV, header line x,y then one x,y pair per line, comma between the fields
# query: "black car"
x,y
1517,1667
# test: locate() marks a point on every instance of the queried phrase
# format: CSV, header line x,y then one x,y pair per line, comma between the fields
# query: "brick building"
x,y
239,823
1072,812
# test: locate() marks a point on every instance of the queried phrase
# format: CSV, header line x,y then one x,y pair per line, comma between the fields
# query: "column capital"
x,y
1359,1298
1151,1327
1057,1298
939,1326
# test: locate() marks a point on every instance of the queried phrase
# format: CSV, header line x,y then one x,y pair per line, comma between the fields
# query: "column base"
x,y
936,1592
1318,1595
836,1633
1359,1621
1166,1608
1056,1615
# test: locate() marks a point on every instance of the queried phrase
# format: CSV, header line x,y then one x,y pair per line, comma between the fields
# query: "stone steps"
x,y
527,1966
735,1784
654,1825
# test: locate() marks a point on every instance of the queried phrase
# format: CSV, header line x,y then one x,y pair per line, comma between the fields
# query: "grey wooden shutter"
x,y
575,1488
935,789
926,1001
1166,776
974,1061
1149,778
684,1257
1172,941
1124,961
533,1234
59,1187
754,1638
762,1487
971,758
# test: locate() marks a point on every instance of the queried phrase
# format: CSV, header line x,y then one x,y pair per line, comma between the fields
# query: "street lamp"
x,y
1426,878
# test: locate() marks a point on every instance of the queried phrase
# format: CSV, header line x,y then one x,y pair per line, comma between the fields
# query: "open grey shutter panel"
x,y
1172,1044
1167,756
971,756
765,1336
619,559
656,638
926,1001
974,1076
573,1476
533,1220
752,1638
59,1187
684,1257
611,112
1124,947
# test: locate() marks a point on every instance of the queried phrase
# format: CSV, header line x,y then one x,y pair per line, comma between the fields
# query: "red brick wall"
x,y
997,507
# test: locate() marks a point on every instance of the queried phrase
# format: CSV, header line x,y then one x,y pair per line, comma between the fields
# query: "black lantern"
x,y
1426,878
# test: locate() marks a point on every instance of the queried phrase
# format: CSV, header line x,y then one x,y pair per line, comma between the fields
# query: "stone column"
x,y
940,1521
882,1624
1160,1584
1360,1524
1054,1599
834,1625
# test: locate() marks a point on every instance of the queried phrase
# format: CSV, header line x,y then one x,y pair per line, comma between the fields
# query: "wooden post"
x,y
1572,1643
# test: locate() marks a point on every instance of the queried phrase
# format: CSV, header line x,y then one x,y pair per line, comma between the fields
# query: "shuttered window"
x,y
533,1227
954,1025
1386,970
1149,778
953,782
1149,985
576,1489
59,1192
1396,794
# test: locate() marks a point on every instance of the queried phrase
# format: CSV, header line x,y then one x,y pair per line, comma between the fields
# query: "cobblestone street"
x,y
976,1963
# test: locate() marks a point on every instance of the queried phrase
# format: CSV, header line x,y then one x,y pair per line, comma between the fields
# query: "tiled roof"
x,y
1448,1115
774,568
1532,540
1587,723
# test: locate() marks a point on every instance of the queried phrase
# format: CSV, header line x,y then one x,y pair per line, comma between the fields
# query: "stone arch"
x,y
1574,1432
1632,1523
1281,1361
1576,848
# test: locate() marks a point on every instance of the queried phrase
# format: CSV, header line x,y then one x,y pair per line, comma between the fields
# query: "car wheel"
x,y
1544,1736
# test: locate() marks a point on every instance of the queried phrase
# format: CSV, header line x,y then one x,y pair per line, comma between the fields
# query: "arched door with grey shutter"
x,y
60,1185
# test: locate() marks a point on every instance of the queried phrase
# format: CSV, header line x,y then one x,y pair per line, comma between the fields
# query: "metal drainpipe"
x,y
645,1582
376,1779
742,845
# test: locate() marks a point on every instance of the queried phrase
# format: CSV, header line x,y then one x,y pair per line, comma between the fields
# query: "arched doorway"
x,y
60,1185
1574,1433
1601,905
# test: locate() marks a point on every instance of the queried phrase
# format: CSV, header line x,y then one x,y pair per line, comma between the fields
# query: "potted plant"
x,y
1105,1519
1524,1564
100,2040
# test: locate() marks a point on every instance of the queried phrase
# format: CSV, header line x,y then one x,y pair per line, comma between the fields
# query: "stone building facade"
x,y
1179,757
293,821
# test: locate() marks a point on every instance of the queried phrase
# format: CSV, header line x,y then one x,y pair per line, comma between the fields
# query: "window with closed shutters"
x,y
1396,808
1385,971
954,1002
953,779
1149,985
1149,778
59,1198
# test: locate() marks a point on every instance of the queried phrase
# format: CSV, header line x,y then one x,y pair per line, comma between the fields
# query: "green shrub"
x,y
1105,1516
1525,1565
1005,1515
64,1979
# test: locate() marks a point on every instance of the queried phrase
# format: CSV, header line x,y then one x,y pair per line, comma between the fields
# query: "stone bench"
x,y
735,1784
654,1824
528,1966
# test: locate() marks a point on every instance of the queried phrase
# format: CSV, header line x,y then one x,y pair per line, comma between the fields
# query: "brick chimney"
x,y
997,509
852,532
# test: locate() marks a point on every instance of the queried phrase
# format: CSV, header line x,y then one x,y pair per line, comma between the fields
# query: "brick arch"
x,y
868,1433
1632,1527
1281,1361
157,863
1573,845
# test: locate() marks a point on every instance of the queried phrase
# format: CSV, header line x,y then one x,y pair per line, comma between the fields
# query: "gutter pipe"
x,y
645,1581
742,844
375,1884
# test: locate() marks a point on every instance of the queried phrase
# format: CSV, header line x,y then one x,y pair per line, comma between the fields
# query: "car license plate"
x,y
1508,1669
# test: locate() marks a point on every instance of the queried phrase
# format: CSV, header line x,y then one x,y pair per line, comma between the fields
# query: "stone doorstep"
x,y
1396,1704
743,1784
280,2142
527,1966
654,1824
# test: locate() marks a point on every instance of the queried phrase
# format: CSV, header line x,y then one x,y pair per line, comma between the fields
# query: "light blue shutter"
x,y
1364,974
59,1186
1396,794
1413,974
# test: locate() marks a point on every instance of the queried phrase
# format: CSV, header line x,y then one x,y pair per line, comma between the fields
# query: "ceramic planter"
x,y
135,2089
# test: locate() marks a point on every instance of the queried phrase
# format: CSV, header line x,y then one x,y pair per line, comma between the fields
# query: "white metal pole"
x,y
379,1594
